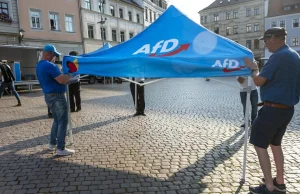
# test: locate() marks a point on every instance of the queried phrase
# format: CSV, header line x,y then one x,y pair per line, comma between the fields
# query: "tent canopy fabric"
x,y
172,47
105,47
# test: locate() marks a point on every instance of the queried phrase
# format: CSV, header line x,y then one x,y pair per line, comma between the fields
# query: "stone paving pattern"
x,y
189,142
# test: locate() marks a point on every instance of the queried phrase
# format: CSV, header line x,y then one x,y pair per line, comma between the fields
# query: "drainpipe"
x,y
81,25
118,25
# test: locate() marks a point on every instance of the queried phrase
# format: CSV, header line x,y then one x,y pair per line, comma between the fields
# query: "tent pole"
x,y
135,96
112,82
243,180
69,116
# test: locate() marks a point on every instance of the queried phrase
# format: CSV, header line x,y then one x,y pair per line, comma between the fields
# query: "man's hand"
x,y
240,80
250,64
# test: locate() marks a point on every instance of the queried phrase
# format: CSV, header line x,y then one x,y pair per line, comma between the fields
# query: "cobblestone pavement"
x,y
189,142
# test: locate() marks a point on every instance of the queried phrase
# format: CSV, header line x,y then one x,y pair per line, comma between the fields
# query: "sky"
x,y
190,7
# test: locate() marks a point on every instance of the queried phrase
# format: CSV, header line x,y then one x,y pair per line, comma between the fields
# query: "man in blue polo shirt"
x,y
279,83
53,84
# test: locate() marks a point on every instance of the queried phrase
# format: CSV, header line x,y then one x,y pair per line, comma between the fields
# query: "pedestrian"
x,y
140,103
53,85
8,81
279,83
74,91
253,96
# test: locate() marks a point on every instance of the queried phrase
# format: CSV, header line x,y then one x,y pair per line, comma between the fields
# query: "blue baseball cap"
x,y
51,48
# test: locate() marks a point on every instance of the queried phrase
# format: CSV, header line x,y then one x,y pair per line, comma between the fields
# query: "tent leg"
x,y
69,117
112,82
243,180
135,96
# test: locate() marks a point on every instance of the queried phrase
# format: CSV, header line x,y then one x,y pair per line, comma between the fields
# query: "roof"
x,y
132,2
277,7
222,3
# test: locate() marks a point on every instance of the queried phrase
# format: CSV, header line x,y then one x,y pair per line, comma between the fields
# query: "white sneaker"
x,y
64,152
51,147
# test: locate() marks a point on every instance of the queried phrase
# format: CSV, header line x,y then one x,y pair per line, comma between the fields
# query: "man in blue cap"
x,y
53,83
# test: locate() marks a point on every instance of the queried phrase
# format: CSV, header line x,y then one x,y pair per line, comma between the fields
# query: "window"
x,y
90,31
205,19
256,11
273,24
138,18
235,14
146,13
54,21
216,17
131,34
248,12
287,8
121,13
228,31
130,15
256,27
103,33
248,44
296,23
35,19
216,30
295,42
150,14
4,8
122,36
282,24
296,6
248,28
256,44
101,7
154,15
69,23
88,4
201,19
235,30
228,15
114,35
112,10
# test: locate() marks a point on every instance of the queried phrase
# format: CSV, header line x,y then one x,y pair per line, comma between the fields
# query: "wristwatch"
x,y
256,69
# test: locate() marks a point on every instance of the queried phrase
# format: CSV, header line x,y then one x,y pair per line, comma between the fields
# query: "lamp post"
x,y
103,20
21,35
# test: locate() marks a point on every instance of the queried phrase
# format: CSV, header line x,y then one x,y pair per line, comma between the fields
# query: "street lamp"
x,y
21,35
103,20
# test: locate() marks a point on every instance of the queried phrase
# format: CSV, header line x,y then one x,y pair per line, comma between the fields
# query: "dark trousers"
x,y
74,92
140,97
254,102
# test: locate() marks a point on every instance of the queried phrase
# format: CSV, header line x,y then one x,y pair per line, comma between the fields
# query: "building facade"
x,y
112,21
51,22
153,10
9,23
284,13
239,20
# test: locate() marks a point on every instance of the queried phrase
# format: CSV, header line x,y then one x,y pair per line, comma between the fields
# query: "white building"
x,y
153,9
123,20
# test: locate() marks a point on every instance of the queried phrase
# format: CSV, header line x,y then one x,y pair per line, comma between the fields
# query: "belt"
x,y
54,94
275,105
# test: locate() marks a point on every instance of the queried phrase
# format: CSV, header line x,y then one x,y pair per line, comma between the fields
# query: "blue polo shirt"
x,y
46,73
282,72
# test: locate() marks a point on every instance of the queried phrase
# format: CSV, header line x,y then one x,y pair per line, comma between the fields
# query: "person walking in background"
x,y
8,81
140,103
53,83
74,91
253,97
279,83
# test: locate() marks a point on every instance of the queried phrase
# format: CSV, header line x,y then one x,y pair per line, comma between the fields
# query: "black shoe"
x,y
136,114
78,109
72,110
143,114
278,187
243,125
19,104
261,189
50,115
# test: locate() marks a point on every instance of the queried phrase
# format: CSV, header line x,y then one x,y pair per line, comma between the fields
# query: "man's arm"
x,y
62,79
258,80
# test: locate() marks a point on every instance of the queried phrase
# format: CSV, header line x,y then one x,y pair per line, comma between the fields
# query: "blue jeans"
x,y
11,86
254,102
58,106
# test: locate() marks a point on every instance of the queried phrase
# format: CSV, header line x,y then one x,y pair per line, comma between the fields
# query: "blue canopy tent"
x,y
172,47
105,47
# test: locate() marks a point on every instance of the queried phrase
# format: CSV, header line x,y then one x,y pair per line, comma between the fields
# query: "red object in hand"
x,y
72,67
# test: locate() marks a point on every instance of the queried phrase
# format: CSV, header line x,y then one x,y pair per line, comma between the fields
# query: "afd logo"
x,y
163,48
229,65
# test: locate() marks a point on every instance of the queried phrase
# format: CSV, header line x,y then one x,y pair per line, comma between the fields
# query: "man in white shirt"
x,y
253,96
140,103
